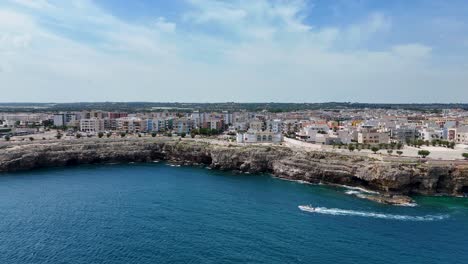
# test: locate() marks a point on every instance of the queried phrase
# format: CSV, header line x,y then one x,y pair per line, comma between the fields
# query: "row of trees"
x,y
204,132
375,149
435,142
359,146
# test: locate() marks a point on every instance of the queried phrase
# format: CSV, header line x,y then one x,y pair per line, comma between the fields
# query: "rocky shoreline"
x,y
394,181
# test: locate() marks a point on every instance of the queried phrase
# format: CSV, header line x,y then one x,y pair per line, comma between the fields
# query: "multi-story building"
x,y
369,135
255,136
92,125
131,124
115,115
256,126
228,118
275,125
462,135
59,120
159,124
404,133
183,125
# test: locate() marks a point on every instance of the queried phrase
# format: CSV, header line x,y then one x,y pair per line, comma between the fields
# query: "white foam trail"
x,y
335,211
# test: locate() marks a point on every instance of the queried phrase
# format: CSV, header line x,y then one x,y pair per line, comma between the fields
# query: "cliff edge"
x,y
390,178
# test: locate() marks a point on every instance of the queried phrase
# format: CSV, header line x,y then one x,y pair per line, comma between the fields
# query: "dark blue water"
x,y
154,213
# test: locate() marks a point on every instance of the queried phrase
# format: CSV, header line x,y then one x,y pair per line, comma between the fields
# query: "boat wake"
x,y
342,212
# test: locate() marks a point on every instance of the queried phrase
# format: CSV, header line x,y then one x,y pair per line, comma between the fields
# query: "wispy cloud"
x,y
214,51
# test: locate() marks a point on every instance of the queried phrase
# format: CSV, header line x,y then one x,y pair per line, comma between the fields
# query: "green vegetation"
x,y
351,148
465,155
424,153
100,134
109,134
7,138
153,134
78,135
123,134
375,149
399,152
205,131
389,152
183,134
208,107
31,139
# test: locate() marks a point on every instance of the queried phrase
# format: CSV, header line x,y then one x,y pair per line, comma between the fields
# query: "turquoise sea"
x,y
156,213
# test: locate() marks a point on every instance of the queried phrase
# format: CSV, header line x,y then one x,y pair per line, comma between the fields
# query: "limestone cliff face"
x,y
391,177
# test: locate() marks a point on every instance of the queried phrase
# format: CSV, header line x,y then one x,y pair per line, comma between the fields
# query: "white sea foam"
x,y
408,204
351,192
341,212
358,189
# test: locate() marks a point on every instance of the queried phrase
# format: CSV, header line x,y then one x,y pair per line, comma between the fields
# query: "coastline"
x,y
383,181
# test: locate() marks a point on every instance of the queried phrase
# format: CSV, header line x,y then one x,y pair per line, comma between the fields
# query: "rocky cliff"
x,y
281,161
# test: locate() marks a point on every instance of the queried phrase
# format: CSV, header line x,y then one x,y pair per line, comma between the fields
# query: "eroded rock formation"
x,y
281,161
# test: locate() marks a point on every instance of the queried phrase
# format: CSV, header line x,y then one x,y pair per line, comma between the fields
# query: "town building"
x,y
255,136
92,125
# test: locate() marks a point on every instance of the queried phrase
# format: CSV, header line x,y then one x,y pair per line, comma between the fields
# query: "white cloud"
x,y
165,26
414,50
274,56
35,4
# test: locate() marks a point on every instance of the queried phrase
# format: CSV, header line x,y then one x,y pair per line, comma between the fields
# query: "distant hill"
x,y
159,106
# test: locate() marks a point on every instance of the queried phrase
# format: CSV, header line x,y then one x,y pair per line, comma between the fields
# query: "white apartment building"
x,y
461,136
91,125
275,126
429,133
252,136
228,117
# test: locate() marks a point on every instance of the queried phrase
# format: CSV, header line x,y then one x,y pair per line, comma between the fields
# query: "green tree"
x,y
399,145
100,134
389,152
7,138
59,135
183,134
351,148
109,134
424,153
465,155
31,139
399,152
375,149
153,134
78,135
123,134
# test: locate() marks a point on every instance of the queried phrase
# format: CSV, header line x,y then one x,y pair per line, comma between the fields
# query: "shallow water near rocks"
x,y
155,213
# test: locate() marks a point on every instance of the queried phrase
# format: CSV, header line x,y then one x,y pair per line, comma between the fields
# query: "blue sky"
x,y
238,50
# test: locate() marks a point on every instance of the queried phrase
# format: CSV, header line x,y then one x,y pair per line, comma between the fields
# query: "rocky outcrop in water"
x,y
314,167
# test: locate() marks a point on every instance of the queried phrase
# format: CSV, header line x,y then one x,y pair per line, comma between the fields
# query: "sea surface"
x,y
156,213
